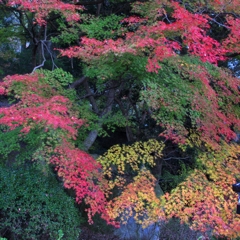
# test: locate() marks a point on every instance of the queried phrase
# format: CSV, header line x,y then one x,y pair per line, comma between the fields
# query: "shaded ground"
x,y
173,230
87,234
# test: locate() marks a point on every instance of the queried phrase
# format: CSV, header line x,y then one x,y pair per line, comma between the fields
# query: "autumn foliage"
x,y
206,199
37,105
46,111
82,173
160,44
42,9
167,52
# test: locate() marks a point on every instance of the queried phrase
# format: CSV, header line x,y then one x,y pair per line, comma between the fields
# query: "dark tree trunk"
x,y
34,55
90,139
129,134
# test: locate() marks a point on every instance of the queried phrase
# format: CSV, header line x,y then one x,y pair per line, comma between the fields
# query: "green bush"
x,y
9,142
33,206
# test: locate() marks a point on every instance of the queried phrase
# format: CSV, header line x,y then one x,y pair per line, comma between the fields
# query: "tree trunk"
x,y
34,55
129,134
108,108
90,139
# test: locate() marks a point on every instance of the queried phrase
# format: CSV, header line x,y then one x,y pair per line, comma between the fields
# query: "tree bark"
x,y
34,55
129,133
90,139
88,142
78,82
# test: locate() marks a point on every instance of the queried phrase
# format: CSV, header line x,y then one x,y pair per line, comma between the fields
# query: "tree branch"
x,y
78,82
91,98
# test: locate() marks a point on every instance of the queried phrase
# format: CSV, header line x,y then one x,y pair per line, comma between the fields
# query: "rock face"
x,y
172,230
134,231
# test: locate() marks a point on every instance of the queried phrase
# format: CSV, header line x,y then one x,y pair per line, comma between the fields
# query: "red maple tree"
x,y
165,34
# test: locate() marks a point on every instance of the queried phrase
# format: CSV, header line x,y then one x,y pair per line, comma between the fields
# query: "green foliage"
x,y
170,96
68,35
60,234
9,142
33,205
183,94
18,148
30,143
144,9
171,181
91,118
59,80
38,145
50,83
111,122
116,66
57,75
103,28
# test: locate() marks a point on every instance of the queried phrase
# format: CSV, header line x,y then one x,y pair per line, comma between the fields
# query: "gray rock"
x,y
134,231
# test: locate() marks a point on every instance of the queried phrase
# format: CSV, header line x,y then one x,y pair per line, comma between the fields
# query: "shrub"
x,y
33,206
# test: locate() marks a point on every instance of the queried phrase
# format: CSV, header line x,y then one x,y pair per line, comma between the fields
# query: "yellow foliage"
x,y
130,157
205,199
138,199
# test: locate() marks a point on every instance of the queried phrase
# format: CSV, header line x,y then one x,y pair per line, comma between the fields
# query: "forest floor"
x,y
87,234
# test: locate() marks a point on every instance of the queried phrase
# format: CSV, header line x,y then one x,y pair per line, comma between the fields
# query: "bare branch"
x,y
50,53
177,158
220,24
